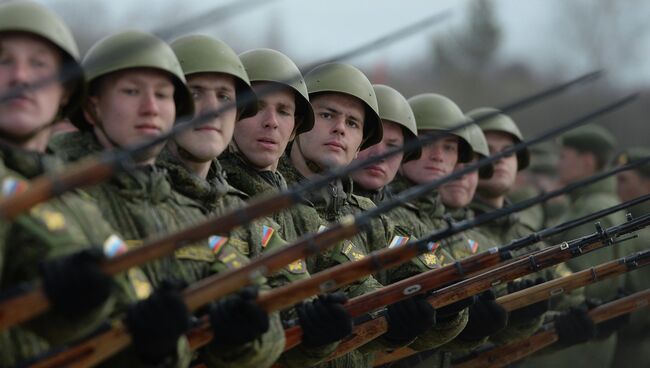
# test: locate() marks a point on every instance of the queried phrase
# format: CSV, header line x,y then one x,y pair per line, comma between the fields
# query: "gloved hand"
x,y
574,327
605,329
486,317
324,320
409,318
449,312
74,283
157,323
532,311
237,319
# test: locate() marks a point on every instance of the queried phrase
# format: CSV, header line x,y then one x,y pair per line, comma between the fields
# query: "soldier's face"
x,y
210,92
459,193
438,159
505,169
630,184
338,130
264,137
24,60
571,166
379,174
133,106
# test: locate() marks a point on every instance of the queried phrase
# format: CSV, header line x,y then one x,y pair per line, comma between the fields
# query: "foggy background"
x,y
485,53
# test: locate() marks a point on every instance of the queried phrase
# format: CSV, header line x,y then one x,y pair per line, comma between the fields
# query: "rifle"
x,y
550,289
34,302
517,268
517,350
213,287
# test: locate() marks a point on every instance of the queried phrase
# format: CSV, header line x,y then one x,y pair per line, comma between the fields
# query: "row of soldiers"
x,y
296,129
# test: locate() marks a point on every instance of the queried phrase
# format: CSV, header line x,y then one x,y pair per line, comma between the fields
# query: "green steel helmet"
x,y
479,145
346,79
204,54
129,50
436,112
500,122
266,65
394,107
634,154
38,20
591,138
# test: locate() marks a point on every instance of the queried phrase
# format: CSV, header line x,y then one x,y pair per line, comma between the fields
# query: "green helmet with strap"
x,y
436,112
346,79
129,50
479,145
266,65
38,20
204,54
504,124
394,107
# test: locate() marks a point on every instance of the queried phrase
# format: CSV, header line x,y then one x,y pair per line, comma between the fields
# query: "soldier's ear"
x,y
90,111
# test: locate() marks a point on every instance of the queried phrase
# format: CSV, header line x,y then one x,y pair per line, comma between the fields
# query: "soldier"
x,y
540,177
216,77
585,152
57,241
633,340
436,113
501,132
346,121
399,126
135,96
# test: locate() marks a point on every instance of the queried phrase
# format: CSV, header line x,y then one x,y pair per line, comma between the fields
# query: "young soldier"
x,y
37,52
399,127
586,151
135,96
633,341
501,133
436,113
345,107
216,77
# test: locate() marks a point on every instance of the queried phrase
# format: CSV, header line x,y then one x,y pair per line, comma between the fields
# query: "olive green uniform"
x,y
61,226
633,342
218,196
586,200
140,203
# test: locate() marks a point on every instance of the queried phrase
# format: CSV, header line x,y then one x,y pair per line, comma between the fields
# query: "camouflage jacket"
x,y
60,226
141,204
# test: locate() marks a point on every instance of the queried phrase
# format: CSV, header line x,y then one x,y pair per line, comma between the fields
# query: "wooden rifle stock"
x,y
546,290
518,350
518,268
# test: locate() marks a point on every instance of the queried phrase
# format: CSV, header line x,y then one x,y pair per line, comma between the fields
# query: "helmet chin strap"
x,y
100,124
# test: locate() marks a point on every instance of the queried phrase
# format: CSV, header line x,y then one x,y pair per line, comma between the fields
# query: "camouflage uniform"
x,y
332,204
140,203
409,222
60,226
219,196
586,200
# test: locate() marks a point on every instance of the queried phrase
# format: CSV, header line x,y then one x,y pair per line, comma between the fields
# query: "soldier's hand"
x,y
75,284
532,311
409,318
157,323
237,319
449,312
324,320
486,317
574,327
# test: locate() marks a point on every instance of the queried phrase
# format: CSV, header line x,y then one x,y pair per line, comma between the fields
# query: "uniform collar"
x,y
604,186
30,164
430,203
205,191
